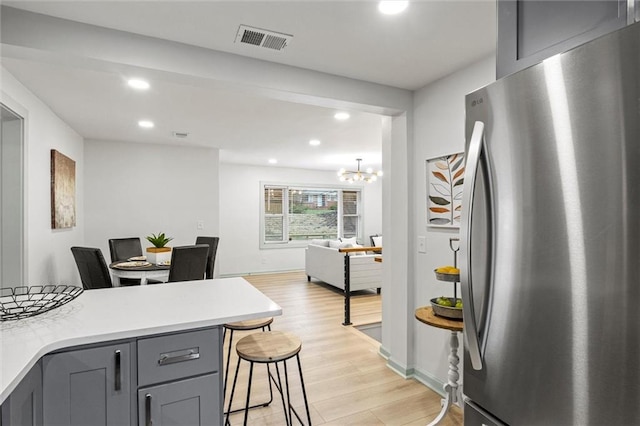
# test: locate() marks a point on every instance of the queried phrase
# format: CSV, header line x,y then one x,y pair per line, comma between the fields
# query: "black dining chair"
x,y
92,267
123,249
188,263
211,257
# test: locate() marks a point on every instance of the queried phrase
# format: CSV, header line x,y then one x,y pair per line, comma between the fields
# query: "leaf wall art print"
x,y
445,179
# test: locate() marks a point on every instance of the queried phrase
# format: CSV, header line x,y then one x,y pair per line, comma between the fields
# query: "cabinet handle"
x,y
118,371
147,410
179,356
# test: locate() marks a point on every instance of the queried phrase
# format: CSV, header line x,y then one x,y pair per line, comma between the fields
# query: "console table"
x,y
425,315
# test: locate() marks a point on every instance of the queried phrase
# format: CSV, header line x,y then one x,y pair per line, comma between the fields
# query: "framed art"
x,y
63,191
445,179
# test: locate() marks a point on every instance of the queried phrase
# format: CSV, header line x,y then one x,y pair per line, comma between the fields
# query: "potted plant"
x,y
159,253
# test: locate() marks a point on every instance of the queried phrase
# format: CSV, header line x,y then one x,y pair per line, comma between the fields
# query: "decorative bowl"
x,y
24,302
450,312
447,277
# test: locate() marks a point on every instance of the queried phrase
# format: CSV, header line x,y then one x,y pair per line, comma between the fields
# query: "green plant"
x,y
159,240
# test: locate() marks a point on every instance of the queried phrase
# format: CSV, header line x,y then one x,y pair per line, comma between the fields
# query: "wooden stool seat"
x,y
268,346
271,347
249,324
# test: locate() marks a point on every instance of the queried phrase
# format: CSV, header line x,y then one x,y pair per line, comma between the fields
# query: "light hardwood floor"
x,y
347,381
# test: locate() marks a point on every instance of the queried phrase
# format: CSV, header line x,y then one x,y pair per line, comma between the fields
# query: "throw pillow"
x,y
323,243
349,240
334,244
377,241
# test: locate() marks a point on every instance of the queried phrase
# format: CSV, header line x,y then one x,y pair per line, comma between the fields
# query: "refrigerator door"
x,y
550,264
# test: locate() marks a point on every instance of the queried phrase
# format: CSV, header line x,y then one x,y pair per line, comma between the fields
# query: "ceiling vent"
x,y
262,38
180,135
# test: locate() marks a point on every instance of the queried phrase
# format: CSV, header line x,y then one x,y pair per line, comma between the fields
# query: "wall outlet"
x,y
200,225
422,245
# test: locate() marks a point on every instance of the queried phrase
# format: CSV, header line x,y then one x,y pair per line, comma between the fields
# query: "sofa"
x,y
325,262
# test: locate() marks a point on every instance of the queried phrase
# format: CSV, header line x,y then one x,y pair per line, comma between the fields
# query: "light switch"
x,y
200,225
422,245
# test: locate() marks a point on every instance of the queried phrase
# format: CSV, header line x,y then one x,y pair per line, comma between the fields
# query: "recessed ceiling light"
x,y
392,7
273,161
342,116
146,124
136,83
314,142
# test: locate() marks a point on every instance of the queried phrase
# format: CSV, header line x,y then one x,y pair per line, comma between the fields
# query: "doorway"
x,y
11,198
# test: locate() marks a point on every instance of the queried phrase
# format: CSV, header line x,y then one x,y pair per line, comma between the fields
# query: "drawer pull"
x,y
179,356
147,410
118,384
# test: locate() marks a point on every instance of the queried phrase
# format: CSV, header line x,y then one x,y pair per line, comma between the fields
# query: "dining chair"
x,y
211,257
123,249
188,262
92,267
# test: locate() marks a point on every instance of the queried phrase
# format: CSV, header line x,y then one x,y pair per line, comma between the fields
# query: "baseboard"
x,y
426,379
399,369
430,381
383,352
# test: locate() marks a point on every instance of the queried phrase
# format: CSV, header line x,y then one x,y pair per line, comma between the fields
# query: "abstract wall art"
x,y
63,191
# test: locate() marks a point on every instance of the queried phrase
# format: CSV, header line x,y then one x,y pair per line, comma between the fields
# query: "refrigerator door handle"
x,y
470,328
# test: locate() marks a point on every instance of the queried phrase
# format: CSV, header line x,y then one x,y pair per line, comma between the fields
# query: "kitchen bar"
x,y
105,315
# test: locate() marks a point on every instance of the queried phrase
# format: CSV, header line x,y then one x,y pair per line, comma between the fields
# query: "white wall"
x,y
48,258
133,190
439,112
239,250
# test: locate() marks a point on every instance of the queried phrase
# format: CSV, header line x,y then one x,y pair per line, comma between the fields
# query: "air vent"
x,y
181,135
262,38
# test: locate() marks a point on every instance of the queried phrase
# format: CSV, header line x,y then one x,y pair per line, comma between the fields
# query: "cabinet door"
x,y
24,406
88,387
530,31
191,402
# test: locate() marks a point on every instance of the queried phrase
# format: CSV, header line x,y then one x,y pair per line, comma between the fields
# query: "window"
x,y
293,215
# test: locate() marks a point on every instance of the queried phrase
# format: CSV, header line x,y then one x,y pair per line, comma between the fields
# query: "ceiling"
x,y
428,41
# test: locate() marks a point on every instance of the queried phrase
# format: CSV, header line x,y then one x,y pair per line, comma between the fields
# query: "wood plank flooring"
x,y
346,379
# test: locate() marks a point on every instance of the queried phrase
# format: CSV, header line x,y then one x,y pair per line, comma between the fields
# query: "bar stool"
x,y
249,325
271,347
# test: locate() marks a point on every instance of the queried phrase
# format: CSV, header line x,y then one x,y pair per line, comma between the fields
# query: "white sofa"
x,y
327,264
324,261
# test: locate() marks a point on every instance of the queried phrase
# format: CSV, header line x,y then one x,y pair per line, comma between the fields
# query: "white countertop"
x,y
125,312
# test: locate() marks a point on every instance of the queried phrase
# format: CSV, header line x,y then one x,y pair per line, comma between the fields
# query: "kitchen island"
x,y
134,316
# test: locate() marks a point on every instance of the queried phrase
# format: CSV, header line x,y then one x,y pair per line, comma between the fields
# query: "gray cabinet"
x,y
530,31
179,379
24,406
191,402
88,387
171,379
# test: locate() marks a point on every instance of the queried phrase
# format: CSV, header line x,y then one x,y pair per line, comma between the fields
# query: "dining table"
x,y
140,270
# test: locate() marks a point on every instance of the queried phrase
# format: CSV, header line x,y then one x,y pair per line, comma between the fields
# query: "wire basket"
x,y
23,302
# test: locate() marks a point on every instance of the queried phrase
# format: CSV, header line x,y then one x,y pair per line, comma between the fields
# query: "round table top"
x,y
150,267
425,315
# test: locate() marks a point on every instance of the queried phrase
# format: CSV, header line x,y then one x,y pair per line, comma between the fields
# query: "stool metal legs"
x,y
226,374
289,411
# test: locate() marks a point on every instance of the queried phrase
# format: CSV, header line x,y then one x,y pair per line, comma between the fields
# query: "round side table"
x,y
425,315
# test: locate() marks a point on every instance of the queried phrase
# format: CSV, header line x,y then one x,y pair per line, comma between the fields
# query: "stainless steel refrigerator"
x,y
550,241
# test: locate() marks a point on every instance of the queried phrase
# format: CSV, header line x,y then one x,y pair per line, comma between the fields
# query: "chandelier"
x,y
358,176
